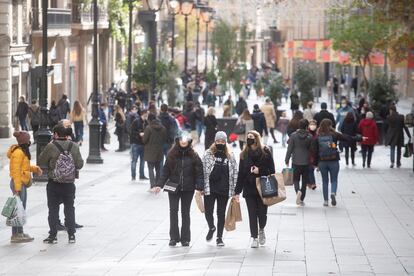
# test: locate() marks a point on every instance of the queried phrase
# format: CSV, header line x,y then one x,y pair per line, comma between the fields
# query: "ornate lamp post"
x,y
94,126
174,9
199,9
186,9
207,15
129,67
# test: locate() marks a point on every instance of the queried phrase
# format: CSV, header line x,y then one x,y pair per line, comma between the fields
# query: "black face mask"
x,y
220,147
250,141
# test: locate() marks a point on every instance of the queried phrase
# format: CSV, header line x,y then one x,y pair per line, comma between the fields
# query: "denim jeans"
x,y
23,197
398,154
137,151
284,138
329,169
199,127
23,124
79,131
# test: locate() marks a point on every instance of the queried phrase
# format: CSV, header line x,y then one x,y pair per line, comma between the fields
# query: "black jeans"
x,y
241,144
257,211
209,201
272,132
347,150
186,198
298,171
154,177
367,151
56,194
103,135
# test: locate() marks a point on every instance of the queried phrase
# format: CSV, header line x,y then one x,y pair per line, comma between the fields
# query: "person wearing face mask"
x,y
312,129
343,111
21,179
220,177
185,169
255,160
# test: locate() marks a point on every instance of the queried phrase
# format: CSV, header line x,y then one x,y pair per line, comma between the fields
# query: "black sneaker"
x,y
333,200
133,178
72,239
77,226
210,233
60,227
185,243
50,240
219,242
143,178
172,243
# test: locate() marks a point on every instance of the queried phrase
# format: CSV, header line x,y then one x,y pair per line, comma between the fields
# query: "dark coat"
x,y
394,125
259,122
211,128
64,107
246,181
324,114
22,110
350,129
155,136
299,147
241,105
119,124
137,127
183,166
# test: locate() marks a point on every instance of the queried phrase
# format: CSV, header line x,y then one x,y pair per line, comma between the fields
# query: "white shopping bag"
x,y
18,219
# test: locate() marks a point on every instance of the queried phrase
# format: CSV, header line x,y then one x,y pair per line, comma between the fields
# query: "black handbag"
x,y
240,129
171,187
268,186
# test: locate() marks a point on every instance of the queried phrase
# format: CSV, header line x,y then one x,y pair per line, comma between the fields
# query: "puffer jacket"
x,y
183,166
155,136
208,166
299,147
368,128
20,168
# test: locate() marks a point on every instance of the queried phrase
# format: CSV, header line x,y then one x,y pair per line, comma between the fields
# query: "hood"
x,y
11,149
156,124
302,134
34,107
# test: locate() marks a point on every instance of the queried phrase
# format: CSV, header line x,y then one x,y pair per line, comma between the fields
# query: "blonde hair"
x,y
211,111
119,110
259,144
227,150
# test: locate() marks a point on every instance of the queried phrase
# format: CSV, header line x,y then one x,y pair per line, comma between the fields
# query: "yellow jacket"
x,y
20,167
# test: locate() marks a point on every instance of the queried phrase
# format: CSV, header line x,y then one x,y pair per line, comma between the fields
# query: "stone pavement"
x,y
370,232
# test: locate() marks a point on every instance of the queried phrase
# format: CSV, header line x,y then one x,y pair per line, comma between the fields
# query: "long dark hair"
x,y
176,152
349,118
325,128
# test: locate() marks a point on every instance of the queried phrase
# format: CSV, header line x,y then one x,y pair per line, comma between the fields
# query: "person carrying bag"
x,y
220,177
233,215
280,196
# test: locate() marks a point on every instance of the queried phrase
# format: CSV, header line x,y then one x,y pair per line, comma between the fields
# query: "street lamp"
x,y
174,9
199,9
207,15
129,68
94,125
44,135
186,9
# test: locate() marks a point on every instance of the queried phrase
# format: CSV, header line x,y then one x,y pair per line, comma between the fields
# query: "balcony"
x,y
82,16
58,21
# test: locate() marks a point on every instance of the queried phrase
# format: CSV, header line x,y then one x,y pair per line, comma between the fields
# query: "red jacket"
x,y
368,128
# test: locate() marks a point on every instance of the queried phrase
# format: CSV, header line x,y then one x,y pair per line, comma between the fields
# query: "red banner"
x,y
309,50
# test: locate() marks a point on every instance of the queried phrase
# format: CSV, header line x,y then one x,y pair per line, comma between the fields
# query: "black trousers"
x,y
347,150
103,135
56,194
209,201
298,171
257,212
154,166
186,198
272,132
367,151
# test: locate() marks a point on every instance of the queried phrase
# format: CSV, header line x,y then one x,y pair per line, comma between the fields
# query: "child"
x,y
281,126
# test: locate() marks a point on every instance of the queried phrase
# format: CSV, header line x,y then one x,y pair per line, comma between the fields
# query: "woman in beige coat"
x,y
270,115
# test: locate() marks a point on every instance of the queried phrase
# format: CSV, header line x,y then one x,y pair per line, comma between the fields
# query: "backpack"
x,y
327,148
65,171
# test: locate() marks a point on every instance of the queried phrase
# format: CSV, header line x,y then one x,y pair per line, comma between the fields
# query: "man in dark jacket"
x,y
57,190
21,113
394,137
137,145
172,129
299,149
324,114
241,105
64,107
155,136
259,120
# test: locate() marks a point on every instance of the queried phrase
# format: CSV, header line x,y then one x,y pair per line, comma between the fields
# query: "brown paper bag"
x,y
233,215
287,176
236,211
281,191
199,201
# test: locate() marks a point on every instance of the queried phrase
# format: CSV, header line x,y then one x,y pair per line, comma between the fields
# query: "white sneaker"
x,y
302,204
298,196
262,237
255,243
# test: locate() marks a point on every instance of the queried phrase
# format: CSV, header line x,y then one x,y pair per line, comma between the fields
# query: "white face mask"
x,y
313,127
343,105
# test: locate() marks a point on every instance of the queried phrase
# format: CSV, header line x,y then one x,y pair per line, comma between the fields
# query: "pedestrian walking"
x,y
220,178
343,111
183,170
120,98
34,116
171,127
21,178
78,118
21,113
299,148
282,126
327,157
210,123
394,137
245,120
137,145
54,115
241,105
350,128
368,128
324,114
259,121
269,112
294,123
104,124
120,127
309,113
255,160
130,116
62,158
312,129
294,101
155,136
64,106
199,114
229,102
111,98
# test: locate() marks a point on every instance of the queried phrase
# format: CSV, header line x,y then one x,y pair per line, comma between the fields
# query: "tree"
x,y
357,34
275,88
382,90
306,80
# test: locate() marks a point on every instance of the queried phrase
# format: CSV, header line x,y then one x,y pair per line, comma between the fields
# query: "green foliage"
x,y
211,77
118,13
191,31
242,43
167,75
275,88
382,89
306,80
143,68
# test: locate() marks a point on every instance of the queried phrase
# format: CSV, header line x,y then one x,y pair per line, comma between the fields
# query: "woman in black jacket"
x,y
255,161
350,128
120,127
184,170
210,122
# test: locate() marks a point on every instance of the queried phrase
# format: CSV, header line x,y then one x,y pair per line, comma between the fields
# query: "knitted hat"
x,y
370,115
221,135
22,137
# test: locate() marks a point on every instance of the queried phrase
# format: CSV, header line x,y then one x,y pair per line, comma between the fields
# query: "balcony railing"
x,y
56,19
83,14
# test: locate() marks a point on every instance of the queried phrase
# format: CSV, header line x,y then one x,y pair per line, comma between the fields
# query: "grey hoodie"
x,y
299,147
